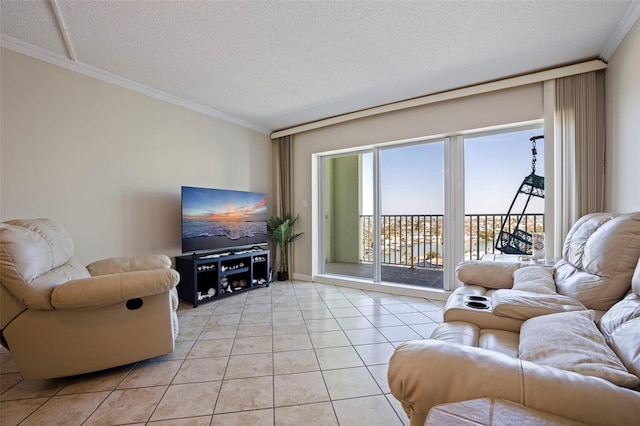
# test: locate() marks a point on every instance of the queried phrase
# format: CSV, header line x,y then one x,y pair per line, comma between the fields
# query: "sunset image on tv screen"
x,y
219,218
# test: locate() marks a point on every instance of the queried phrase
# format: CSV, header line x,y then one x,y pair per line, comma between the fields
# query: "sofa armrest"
x,y
487,274
129,264
426,373
524,305
114,288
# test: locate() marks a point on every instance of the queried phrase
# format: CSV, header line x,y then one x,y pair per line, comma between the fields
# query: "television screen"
x,y
219,219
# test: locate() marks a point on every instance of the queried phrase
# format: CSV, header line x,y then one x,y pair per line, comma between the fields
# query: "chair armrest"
x,y
425,373
487,274
524,305
129,264
114,288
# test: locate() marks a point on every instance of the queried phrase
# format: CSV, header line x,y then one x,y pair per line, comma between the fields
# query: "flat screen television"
x,y
220,219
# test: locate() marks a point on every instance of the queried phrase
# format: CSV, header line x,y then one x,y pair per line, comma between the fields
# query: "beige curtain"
x,y
283,185
580,149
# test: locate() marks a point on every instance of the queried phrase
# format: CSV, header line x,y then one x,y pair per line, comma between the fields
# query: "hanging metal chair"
x,y
516,240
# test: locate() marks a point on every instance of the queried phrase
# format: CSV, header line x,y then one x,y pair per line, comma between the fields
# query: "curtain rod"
x,y
536,77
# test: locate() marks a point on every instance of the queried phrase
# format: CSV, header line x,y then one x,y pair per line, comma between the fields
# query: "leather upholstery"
x,y
524,305
598,259
620,327
474,354
485,274
600,254
457,309
426,373
59,318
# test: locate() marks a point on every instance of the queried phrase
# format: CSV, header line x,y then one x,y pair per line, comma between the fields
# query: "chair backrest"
x,y
599,257
36,255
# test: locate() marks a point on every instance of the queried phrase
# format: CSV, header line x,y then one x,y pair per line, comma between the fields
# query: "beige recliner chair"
x,y
59,318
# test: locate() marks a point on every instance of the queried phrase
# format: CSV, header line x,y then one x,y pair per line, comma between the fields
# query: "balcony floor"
x,y
419,277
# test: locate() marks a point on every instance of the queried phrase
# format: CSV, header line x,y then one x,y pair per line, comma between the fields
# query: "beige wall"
x,y
107,163
507,106
622,190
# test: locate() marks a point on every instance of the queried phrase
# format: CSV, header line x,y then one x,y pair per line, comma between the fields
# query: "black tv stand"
x,y
205,277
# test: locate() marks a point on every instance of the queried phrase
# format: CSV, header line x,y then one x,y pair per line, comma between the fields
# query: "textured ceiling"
x,y
269,65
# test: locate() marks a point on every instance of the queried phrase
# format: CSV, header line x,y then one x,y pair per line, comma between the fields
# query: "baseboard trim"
x,y
384,287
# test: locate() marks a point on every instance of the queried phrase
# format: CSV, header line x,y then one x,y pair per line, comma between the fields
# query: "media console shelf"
x,y
207,277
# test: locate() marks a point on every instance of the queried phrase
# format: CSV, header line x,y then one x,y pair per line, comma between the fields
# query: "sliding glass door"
x,y
408,213
397,236
347,208
496,166
412,214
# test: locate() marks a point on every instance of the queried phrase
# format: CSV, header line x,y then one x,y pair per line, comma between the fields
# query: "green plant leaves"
x,y
280,231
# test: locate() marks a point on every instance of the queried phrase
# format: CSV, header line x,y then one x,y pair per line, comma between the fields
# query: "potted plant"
x,y
280,231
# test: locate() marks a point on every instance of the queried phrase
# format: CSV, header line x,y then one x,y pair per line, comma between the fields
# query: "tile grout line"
x,y
307,296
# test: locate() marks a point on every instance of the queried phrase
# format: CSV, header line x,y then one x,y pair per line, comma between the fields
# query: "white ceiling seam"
x,y
493,86
63,30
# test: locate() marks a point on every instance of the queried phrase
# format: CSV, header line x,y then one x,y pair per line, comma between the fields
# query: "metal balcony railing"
x,y
416,240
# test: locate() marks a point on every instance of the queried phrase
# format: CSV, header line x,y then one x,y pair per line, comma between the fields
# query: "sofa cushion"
x,y
620,326
571,341
536,279
524,304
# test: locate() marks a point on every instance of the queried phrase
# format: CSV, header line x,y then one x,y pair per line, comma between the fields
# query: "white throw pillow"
x,y
535,279
571,341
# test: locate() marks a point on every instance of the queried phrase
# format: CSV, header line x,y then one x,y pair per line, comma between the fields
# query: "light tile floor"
x,y
295,353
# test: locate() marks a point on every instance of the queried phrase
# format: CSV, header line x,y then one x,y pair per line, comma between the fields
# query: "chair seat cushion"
x,y
467,334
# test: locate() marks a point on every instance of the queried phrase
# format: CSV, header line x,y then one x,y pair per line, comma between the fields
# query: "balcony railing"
x,y
416,240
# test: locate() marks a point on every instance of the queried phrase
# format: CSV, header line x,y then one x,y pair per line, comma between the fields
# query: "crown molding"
x,y
625,24
90,71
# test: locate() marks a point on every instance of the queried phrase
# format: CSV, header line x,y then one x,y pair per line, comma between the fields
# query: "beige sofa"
x,y
60,318
563,340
